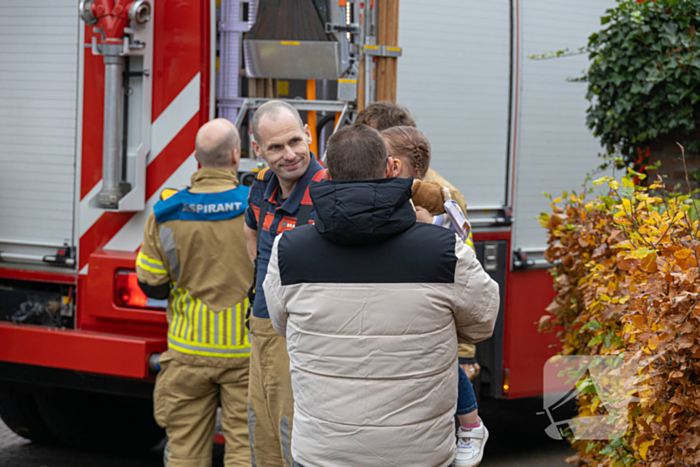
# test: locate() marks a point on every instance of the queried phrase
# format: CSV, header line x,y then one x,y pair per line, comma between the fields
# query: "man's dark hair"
x,y
384,114
356,152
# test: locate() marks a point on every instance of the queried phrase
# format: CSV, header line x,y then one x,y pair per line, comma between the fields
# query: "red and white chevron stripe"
x,y
180,104
169,165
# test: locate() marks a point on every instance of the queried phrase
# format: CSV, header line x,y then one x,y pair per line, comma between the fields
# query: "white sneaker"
x,y
470,447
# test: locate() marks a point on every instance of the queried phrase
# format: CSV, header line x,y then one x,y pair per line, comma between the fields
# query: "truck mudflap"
x,y
85,351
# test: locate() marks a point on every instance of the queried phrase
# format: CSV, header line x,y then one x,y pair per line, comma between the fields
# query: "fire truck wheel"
x,y
21,414
100,422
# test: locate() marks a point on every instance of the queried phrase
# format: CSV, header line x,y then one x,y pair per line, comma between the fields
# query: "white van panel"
x,y
554,148
38,108
454,78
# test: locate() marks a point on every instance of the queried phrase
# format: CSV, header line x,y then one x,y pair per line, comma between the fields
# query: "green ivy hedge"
x,y
644,77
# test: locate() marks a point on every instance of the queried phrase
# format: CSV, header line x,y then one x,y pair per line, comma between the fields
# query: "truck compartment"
x,y
46,304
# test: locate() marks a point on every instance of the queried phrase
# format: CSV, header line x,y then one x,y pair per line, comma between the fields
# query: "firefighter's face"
x,y
284,144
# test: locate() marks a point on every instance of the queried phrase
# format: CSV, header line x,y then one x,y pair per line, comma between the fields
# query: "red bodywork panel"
x,y
107,340
180,51
38,276
525,351
97,308
78,350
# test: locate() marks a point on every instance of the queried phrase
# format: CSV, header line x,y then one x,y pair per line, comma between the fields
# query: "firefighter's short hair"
x,y
215,143
384,114
272,108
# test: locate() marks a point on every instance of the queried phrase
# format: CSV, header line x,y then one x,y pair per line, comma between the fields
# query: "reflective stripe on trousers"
x,y
166,451
197,330
270,397
285,439
251,434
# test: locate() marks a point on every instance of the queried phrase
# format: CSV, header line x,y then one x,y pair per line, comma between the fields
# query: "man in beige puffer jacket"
x,y
373,305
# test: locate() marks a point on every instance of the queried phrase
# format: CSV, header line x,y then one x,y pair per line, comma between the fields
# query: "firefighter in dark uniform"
x,y
194,254
279,200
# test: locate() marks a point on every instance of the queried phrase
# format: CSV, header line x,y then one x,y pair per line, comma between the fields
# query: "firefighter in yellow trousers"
x,y
194,253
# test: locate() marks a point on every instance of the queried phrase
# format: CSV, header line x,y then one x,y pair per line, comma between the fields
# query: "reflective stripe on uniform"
x,y
470,241
150,264
251,434
286,440
166,452
197,330
206,351
168,242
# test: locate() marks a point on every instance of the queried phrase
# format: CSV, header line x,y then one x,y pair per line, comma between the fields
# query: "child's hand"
x,y
423,215
472,370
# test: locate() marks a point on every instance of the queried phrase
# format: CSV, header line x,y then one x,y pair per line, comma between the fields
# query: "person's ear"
x,y
396,166
390,167
307,132
327,175
258,150
236,157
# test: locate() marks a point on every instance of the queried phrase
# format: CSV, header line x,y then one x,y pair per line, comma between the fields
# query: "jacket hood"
x,y
210,180
356,212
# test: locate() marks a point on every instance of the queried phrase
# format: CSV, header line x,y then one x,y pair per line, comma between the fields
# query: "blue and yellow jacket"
x,y
194,252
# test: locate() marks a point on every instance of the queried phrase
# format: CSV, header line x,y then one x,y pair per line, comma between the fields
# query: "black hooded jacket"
x,y
366,232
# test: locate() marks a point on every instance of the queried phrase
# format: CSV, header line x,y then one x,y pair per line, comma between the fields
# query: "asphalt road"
x,y
517,439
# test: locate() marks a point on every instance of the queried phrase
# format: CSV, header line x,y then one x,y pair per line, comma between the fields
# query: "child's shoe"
x,y
470,447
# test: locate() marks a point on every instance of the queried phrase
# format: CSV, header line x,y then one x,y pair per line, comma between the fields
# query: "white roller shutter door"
x,y
554,148
454,78
38,95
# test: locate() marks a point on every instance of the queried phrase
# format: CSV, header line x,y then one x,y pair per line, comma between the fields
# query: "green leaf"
x,y
608,451
595,340
586,386
641,253
592,325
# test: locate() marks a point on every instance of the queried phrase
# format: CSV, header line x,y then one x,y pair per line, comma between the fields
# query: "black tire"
x,y
100,422
19,411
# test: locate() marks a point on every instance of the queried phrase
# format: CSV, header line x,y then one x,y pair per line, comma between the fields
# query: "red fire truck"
x,y
100,103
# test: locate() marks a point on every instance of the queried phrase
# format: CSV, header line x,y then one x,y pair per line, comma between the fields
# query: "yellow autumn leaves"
x,y
627,283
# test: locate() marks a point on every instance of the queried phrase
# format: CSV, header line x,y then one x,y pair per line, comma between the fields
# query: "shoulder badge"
x,y
264,175
167,193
